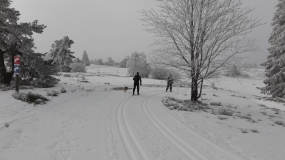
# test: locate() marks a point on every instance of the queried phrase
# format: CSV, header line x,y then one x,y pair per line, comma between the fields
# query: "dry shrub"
x,y
234,71
44,82
52,93
222,118
215,103
243,130
161,73
184,105
225,111
29,97
281,123
254,130
62,90
78,67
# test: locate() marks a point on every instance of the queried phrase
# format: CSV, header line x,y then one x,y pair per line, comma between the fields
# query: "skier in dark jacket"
x,y
137,79
169,83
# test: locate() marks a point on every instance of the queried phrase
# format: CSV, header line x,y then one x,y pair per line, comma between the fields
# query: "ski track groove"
x,y
169,134
158,148
130,142
230,155
125,131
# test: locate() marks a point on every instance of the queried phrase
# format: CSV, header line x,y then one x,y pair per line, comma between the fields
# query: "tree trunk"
x,y
2,67
194,90
5,77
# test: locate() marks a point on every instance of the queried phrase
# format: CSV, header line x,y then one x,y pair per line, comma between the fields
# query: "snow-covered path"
x,y
104,125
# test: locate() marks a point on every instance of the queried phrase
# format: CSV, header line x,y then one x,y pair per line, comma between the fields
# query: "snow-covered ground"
x,y
93,121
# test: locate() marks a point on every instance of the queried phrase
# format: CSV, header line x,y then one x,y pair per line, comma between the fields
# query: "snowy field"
x,y
94,121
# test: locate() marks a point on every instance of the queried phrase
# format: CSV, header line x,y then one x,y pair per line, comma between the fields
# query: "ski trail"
x,y
136,143
188,130
188,150
131,144
135,152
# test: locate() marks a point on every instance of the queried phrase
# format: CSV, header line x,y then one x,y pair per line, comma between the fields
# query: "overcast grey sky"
x,y
112,28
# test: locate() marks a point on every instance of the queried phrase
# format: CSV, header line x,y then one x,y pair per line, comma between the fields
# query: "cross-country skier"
x,y
137,79
169,83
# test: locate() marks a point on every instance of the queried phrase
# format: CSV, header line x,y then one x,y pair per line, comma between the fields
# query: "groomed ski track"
x,y
193,146
105,125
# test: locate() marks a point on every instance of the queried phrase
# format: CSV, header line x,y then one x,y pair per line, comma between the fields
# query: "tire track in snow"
x,y
162,128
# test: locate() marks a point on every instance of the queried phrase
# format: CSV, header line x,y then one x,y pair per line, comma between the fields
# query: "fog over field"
x,y
142,80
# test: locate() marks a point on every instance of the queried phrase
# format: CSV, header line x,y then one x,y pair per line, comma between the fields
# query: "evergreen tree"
x,y
109,62
61,54
85,59
76,60
275,64
16,39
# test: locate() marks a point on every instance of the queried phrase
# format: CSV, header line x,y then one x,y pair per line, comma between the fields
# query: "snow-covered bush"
x,y
29,97
62,90
32,97
78,67
83,79
39,101
161,73
197,105
216,104
85,58
254,130
213,85
247,66
45,82
234,71
281,123
52,93
20,96
222,118
225,111
184,105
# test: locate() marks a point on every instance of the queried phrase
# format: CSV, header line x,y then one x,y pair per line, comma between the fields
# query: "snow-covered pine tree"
x,y
85,58
275,64
109,62
61,54
16,38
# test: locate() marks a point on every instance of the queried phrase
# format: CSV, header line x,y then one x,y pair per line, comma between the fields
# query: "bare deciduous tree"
x,y
137,62
199,37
